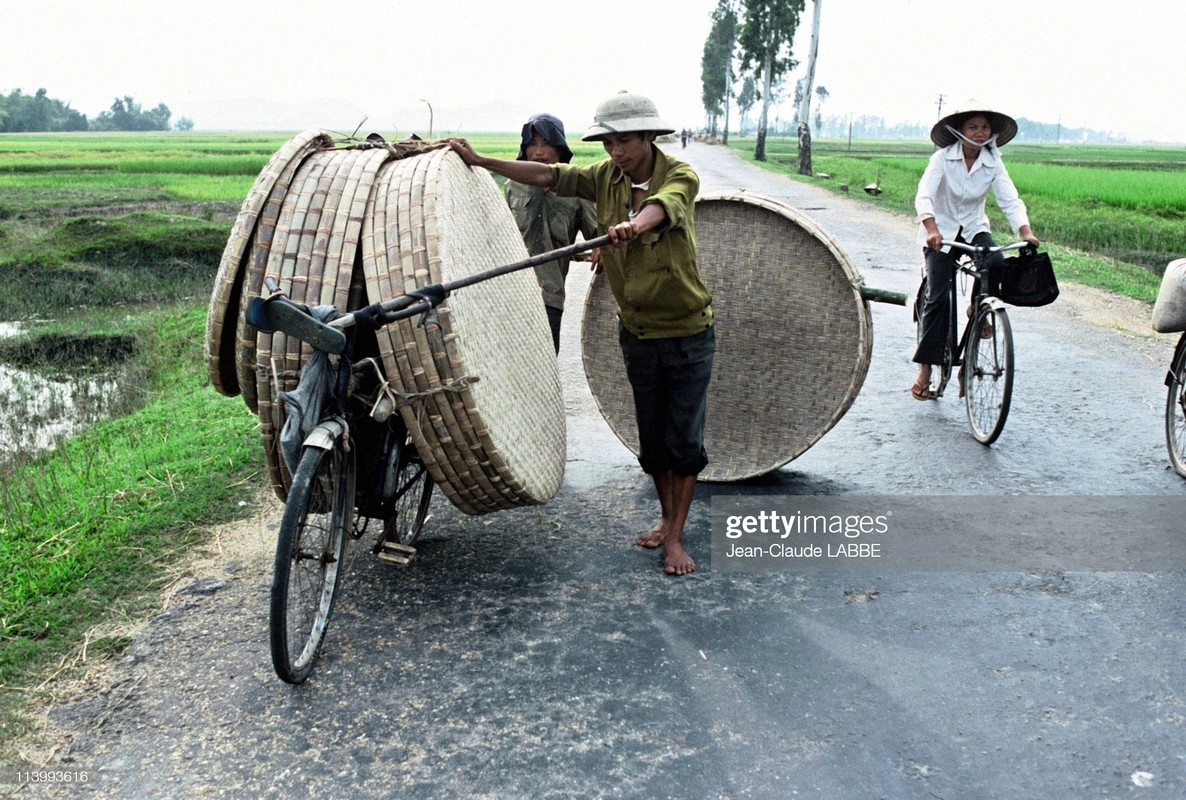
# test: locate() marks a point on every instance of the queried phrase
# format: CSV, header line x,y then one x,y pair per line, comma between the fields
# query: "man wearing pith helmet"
x,y
645,201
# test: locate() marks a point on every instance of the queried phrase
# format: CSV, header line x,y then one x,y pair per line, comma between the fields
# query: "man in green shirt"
x,y
645,201
546,220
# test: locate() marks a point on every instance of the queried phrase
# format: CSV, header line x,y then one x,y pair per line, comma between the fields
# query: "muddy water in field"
x,y
38,409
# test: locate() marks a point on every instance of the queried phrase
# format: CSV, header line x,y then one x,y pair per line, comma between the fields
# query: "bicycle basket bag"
x,y
1028,279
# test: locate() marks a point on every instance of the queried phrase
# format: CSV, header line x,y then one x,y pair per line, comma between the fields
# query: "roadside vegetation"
x,y
108,248
1112,216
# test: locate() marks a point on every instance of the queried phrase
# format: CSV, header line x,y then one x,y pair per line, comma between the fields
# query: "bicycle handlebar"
x,y
976,248
406,306
274,311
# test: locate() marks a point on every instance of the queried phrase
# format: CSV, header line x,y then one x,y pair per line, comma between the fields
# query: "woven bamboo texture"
x,y
225,300
347,226
480,386
793,334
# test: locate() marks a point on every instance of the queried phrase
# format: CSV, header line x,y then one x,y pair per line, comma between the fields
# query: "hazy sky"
x,y
1103,64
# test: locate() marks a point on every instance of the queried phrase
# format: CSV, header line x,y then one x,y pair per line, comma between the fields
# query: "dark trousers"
x,y
940,273
554,317
669,379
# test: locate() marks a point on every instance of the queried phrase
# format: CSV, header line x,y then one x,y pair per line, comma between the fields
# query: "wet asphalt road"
x,y
535,653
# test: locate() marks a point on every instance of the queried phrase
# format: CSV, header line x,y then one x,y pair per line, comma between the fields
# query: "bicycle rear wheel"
x,y
309,558
1175,409
412,496
988,372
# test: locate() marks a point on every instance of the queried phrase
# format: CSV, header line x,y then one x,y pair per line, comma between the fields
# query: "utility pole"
x,y
941,96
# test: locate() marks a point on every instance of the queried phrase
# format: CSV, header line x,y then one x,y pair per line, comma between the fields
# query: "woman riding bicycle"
x,y
950,205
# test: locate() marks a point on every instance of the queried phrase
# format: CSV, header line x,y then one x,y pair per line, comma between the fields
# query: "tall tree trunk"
x,y
804,113
728,91
767,68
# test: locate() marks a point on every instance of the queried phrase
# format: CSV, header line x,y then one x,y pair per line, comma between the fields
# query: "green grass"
x,y
88,529
1124,205
89,235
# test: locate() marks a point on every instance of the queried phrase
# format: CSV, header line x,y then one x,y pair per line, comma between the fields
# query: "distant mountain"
x,y
344,117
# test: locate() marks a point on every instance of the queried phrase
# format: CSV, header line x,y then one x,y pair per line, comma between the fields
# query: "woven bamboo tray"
x,y
271,185
480,386
793,337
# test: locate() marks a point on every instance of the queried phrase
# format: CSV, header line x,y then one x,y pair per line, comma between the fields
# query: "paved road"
x,y
536,653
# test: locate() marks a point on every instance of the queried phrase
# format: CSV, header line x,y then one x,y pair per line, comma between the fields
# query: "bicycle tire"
x,y
309,559
412,497
1175,409
988,372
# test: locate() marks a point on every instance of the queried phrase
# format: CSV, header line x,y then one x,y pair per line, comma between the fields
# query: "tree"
x,y
716,64
22,113
804,112
766,36
823,94
185,124
126,115
746,99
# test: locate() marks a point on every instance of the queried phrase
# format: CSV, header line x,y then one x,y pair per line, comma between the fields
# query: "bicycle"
x,y
356,424
983,351
1175,408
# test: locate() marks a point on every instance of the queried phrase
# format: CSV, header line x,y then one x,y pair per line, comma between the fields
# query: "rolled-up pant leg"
x,y
669,380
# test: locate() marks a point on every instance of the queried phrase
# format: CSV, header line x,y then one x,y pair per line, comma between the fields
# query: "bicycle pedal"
x,y
396,553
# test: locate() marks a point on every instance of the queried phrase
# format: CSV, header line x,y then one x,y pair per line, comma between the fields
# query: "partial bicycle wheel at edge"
x,y
1175,409
988,373
309,553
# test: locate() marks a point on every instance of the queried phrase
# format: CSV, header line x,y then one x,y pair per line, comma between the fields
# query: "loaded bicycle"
x,y
983,351
354,462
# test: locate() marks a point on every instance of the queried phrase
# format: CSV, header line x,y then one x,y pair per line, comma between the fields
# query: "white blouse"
x,y
955,195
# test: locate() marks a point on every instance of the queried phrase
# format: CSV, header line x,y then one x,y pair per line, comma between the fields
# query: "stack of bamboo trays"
x,y
347,225
794,336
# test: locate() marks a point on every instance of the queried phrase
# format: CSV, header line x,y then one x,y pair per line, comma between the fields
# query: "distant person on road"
x,y
950,205
645,201
547,221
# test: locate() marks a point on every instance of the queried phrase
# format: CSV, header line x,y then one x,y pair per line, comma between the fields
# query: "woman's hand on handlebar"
x,y
1028,235
934,238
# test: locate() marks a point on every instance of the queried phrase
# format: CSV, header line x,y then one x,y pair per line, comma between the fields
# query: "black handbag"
x,y
1027,279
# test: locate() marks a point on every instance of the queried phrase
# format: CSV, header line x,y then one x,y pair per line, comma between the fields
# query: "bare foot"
x,y
676,560
654,537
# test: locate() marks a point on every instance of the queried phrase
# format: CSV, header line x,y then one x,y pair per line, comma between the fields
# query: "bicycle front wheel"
x,y
309,553
1175,410
988,372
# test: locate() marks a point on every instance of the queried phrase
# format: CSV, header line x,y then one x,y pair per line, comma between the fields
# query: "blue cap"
x,y
551,129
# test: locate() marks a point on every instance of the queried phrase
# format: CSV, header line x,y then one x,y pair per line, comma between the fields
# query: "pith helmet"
x,y
1004,127
626,113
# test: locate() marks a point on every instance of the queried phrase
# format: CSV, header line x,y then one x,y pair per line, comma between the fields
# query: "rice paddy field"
x,y
1119,202
116,238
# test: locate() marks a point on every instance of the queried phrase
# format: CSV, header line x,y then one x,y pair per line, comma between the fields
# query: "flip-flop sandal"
x,y
921,392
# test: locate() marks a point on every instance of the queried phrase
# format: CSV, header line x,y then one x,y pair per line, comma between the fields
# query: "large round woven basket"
x,y
354,223
223,322
793,337
479,381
